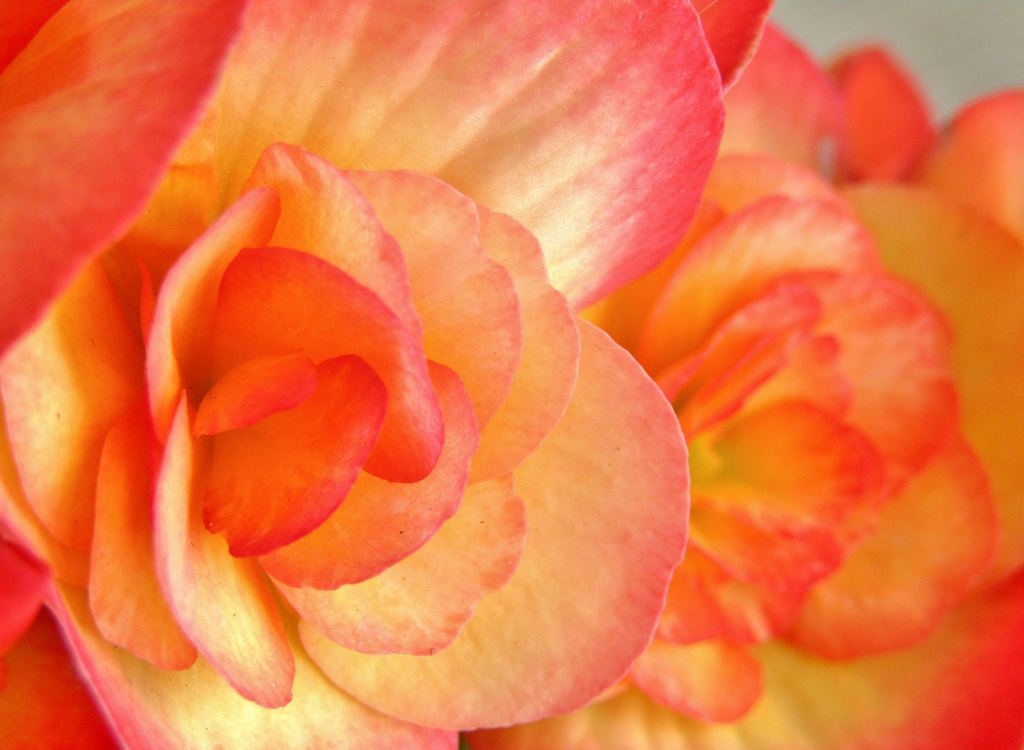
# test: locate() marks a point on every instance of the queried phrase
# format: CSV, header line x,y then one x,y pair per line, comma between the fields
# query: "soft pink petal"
x,y
733,28
593,123
21,592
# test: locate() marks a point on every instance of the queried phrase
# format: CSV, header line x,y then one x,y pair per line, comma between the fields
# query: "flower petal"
x,y
124,592
178,347
279,301
606,505
324,214
712,681
783,105
19,23
21,593
152,708
381,522
419,605
44,704
952,254
549,363
961,688
102,96
887,125
267,484
733,29
203,583
553,116
64,385
930,544
466,301
981,159
738,259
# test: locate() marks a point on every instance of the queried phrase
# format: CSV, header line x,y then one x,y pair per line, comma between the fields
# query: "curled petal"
x,y
419,605
21,592
381,522
277,301
606,504
733,29
222,603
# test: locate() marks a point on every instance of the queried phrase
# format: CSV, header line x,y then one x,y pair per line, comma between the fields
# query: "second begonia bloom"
x,y
844,364
321,456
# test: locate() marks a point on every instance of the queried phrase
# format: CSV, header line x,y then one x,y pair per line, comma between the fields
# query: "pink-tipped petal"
x,y
547,370
222,603
733,29
783,105
152,708
438,230
419,605
101,96
19,22
606,502
593,123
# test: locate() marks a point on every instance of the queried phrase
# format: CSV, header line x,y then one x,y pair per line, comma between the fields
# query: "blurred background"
x,y
957,48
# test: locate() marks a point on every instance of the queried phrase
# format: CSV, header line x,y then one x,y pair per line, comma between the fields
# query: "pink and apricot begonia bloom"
x,y
846,367
296,407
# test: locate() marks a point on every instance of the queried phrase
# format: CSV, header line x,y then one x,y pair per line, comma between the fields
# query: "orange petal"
x,y
712,681
704,601
278,301
961,688
739,180
894,351
606,504
45,704
930,544
887,124
736,262
177,355
21,592
274,481
733,29
197,709
20,521
124,593
254,391
547,370
63,386
324,214
203,582
102,96
980,160
381,522
419,605
783,105
467,301
553,114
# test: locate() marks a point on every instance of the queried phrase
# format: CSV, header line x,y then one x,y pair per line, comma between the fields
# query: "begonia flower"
x,y
296,407
845,365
